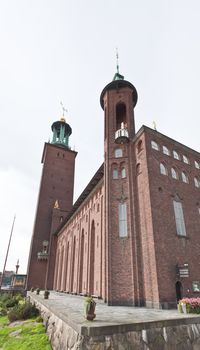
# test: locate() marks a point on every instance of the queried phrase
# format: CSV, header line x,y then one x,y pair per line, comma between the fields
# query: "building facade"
x,y
132,237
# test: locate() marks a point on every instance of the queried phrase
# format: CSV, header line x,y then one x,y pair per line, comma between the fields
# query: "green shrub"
x,y
29,310
3,311
11,302
23,312
39,319
3,298
19,297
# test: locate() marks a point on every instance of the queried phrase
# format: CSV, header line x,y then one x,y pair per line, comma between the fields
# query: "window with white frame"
x,y
163,169
179,218
197,164
185,159
115,174
174,173
123,173
118,153
154,145
166,151
196,182
184,177
123,232
176,155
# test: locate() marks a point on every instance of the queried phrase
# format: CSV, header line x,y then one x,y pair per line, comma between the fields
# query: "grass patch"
x,y
3,321
32,335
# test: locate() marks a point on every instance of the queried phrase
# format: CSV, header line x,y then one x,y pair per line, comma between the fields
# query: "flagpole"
x,y
4,268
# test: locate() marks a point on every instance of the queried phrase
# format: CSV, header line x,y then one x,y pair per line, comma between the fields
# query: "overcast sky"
x,y
61,50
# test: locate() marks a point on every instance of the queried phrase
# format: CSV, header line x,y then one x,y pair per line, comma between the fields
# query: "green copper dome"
x,y
61,132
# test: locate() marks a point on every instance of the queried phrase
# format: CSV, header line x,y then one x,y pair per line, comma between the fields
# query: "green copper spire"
x,y
61,131
117,75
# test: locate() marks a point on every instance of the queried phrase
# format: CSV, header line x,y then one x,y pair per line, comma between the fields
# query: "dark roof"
x,y
118,84
93,182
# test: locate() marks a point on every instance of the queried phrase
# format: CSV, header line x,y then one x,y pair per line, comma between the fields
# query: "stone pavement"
x,y
110,319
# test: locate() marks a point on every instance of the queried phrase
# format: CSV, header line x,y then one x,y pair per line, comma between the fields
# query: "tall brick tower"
x,y
55,194
118,100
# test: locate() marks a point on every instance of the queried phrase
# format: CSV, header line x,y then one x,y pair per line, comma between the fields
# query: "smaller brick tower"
x,y
118,100
55,193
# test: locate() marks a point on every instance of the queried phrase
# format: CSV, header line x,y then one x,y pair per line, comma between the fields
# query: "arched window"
x,y
196,182
120,115
154,145
185,159
163,169
115,174
118,153
176,155
184,177
139,146
166,151
174,173
179,218
197,164
123,232
138,169
123,173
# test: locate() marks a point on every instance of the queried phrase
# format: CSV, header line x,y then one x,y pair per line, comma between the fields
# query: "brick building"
x,y
132,237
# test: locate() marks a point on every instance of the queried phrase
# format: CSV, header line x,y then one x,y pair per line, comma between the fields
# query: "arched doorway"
x,y
92,258
179,291
81,262
65,267
73,265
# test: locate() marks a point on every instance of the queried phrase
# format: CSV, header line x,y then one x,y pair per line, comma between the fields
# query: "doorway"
x,y
179,291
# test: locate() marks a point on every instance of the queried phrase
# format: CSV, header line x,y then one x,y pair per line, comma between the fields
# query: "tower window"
x,y
174,173
184,177
122,220
196,182
123,173
176,155
179,218
163,169
120,115
154,145
115,174
166,151
118,153
185,159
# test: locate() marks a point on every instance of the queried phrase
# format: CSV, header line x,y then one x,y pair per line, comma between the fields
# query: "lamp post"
x,y
17,266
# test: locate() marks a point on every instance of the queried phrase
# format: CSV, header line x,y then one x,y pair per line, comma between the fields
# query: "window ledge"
x,y
181,236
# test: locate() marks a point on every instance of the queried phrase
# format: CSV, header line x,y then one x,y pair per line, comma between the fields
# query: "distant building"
x,y
18,281
132,237
7,278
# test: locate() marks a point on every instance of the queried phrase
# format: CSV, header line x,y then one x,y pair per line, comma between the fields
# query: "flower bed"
x,y
189,305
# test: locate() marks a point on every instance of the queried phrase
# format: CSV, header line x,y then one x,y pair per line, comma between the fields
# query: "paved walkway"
x,y
109,319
